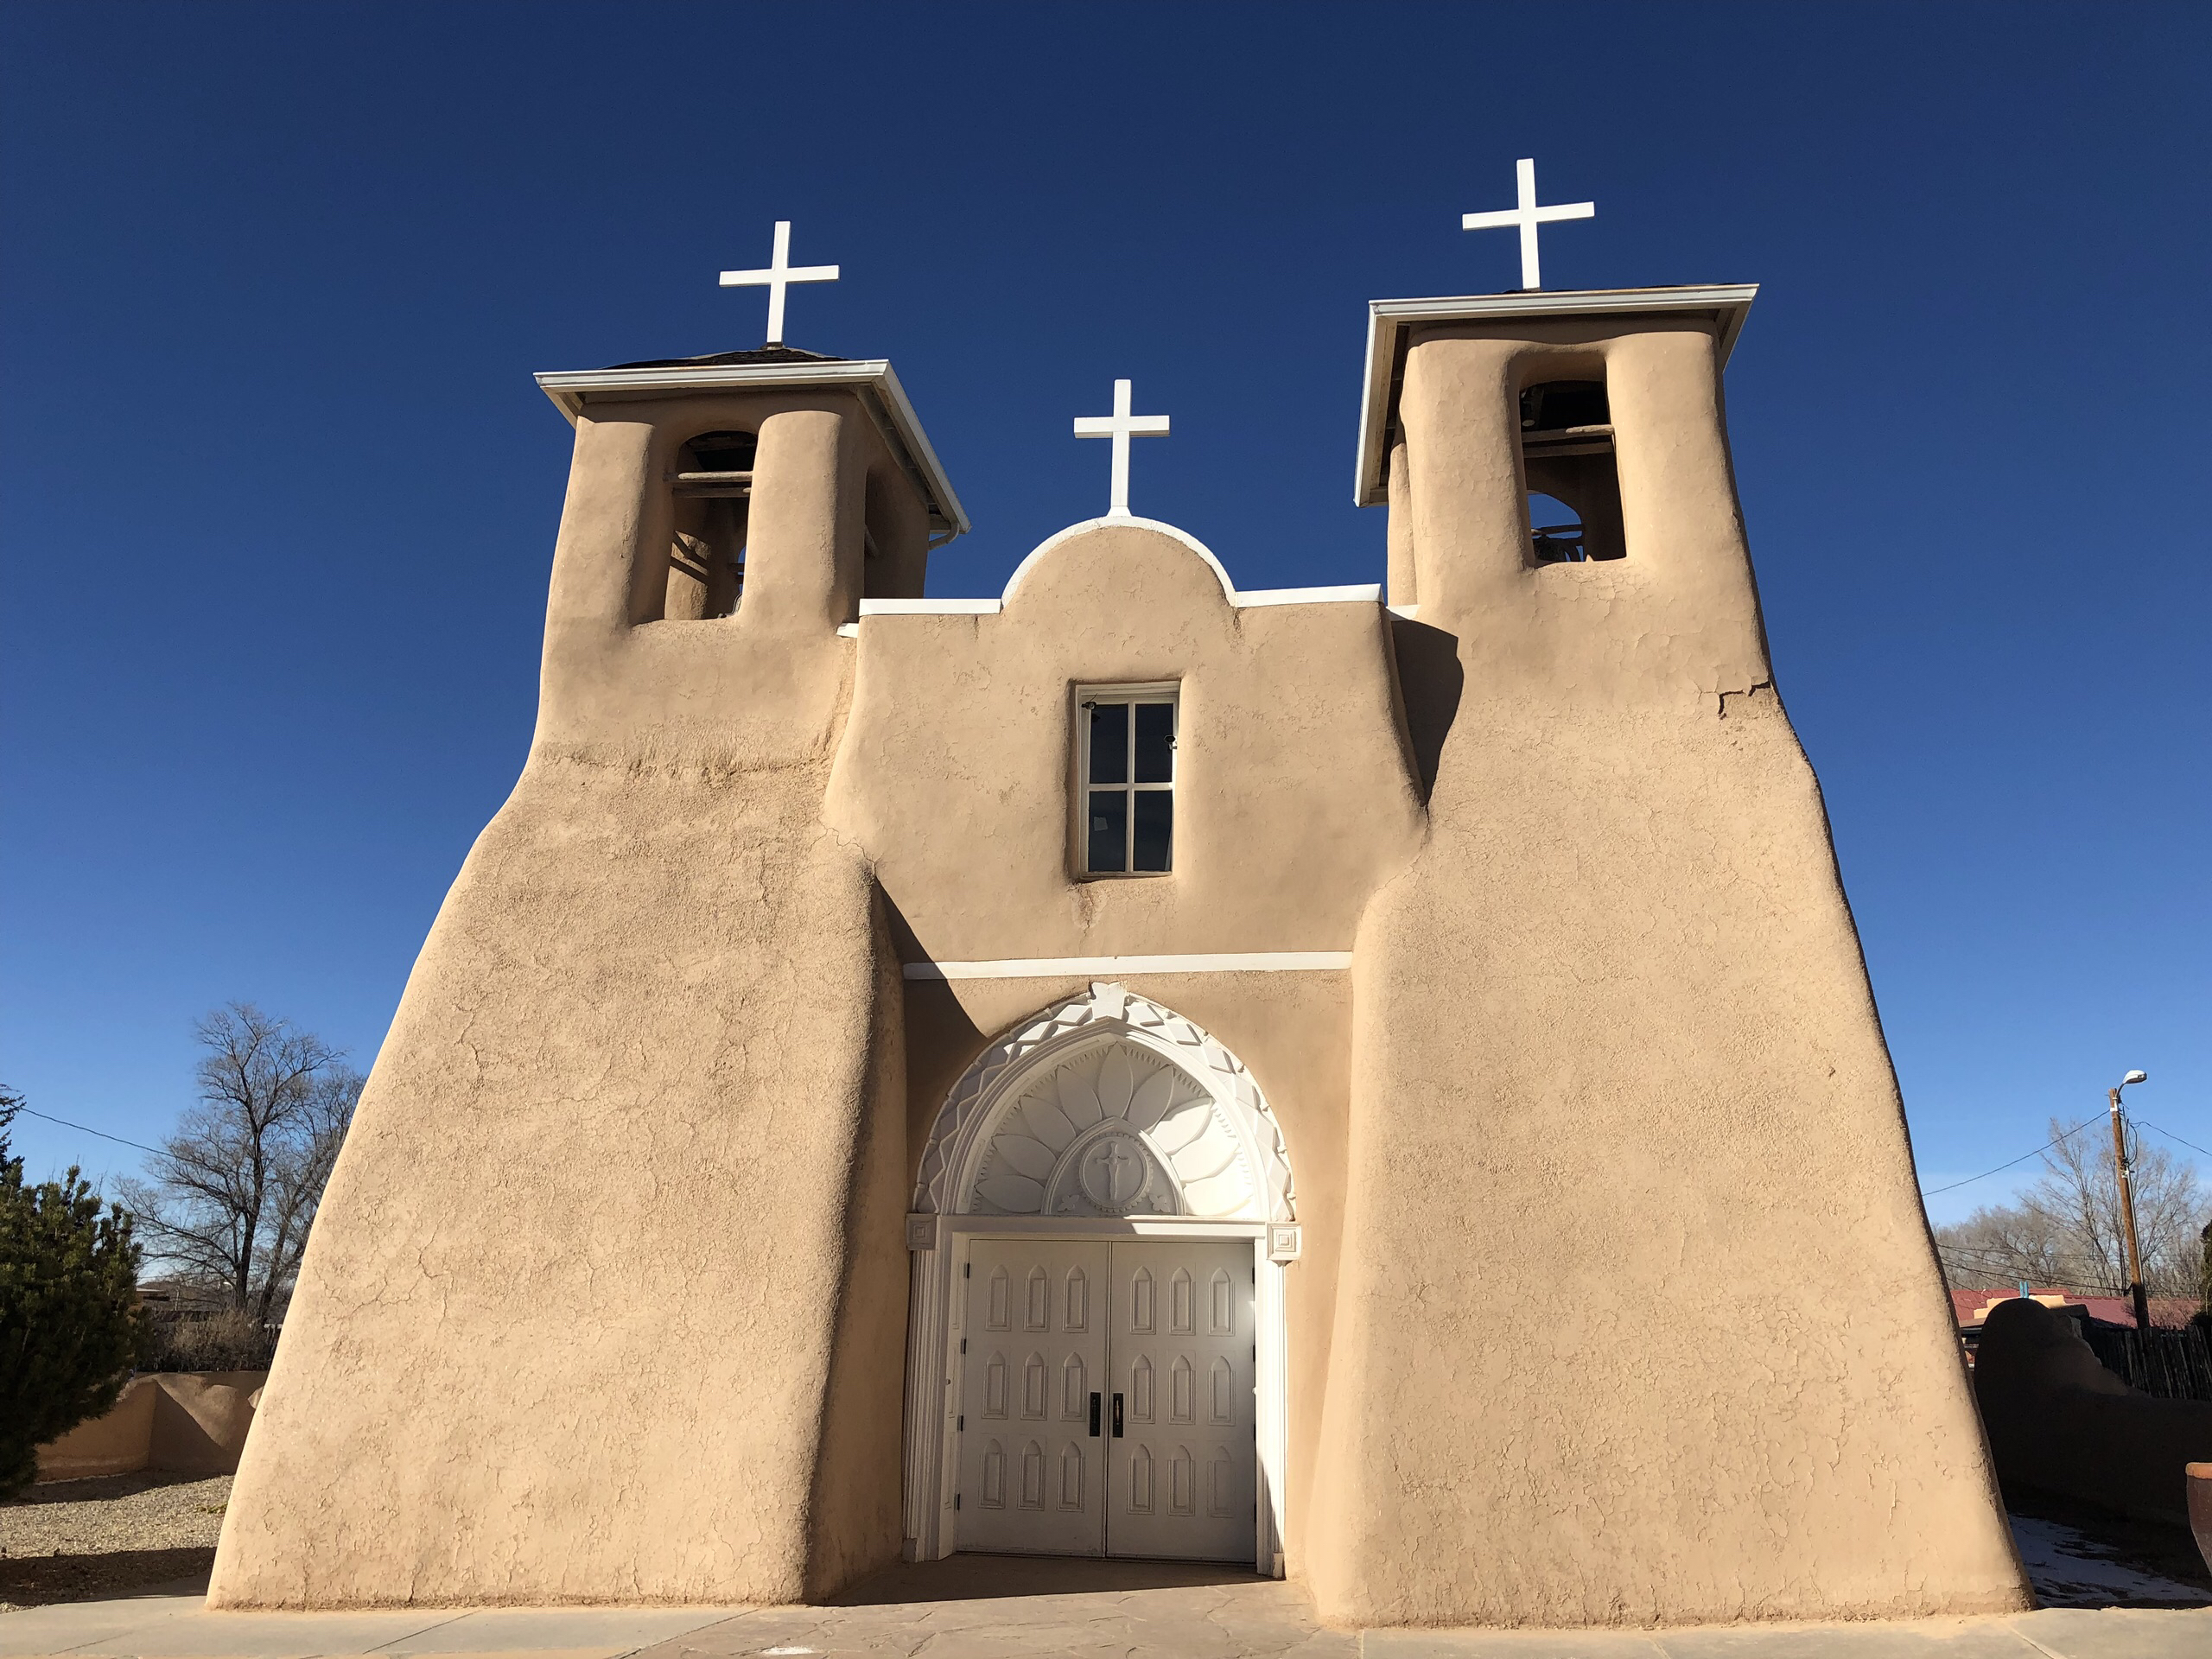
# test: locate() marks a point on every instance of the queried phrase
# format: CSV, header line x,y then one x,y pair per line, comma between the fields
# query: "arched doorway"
x,y
1095,1359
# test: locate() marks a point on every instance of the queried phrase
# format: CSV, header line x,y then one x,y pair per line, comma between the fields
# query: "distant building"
x,y
1971,1308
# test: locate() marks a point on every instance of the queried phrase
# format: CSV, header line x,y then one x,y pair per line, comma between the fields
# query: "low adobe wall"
x,y
2058,1421
188,1422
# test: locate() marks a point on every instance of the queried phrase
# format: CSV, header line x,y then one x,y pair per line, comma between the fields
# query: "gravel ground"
x,y
79,1540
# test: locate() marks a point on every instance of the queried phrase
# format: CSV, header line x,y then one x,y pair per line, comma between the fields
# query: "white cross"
x,y
1527,217
1121,426
780,274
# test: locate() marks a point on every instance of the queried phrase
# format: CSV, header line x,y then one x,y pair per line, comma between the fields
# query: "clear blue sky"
x,y
278,494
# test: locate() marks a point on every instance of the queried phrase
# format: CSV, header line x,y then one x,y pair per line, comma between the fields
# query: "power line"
x,y
1930,1192
1984,1251
2145,1123
2014,1268
2017,1271
82,1130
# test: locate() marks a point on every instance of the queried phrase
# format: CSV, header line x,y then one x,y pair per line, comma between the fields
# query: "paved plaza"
x,y
975,1607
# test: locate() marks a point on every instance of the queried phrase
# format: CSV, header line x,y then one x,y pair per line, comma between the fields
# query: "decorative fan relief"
x,y
1114,1129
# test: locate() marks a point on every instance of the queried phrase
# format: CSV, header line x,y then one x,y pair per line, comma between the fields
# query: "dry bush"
x,y
228,1340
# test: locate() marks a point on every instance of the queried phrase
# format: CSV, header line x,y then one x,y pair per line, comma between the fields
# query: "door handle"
x,y
1094,1416
1117,1416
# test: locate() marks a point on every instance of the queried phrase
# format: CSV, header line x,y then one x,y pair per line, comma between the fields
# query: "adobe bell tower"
x,y
1624,1127
649,1061
726,516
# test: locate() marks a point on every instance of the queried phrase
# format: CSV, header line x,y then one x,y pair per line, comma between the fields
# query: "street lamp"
x,y
2127,1205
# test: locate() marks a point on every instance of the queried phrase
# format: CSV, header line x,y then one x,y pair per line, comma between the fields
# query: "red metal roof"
x,y
2169,1312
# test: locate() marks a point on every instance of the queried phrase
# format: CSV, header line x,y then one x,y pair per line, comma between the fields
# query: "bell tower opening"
x,y
712,483
1573,487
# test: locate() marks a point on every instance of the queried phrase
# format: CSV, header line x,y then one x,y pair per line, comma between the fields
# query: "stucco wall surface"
x,y
2060,1421
1292,792
1617,1062
115,1443
567,1325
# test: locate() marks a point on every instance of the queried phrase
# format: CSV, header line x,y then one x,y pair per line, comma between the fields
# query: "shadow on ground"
x,y
152,1533
990,1578
101,1488
2079,1555
43,1580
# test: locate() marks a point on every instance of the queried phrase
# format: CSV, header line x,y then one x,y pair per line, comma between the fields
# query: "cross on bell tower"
x,y
1526,217
779,275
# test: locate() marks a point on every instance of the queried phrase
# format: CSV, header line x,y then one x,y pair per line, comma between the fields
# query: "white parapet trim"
x,y
929,607
1227,962
1360,594
1357,594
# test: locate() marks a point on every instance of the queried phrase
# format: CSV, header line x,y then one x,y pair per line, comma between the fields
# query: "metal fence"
x,y
2170,1364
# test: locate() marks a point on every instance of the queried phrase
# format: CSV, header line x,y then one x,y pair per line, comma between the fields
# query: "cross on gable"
x,y
1526,217
1121,426
779,274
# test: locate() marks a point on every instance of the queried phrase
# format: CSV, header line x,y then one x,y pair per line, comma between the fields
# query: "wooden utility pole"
x,y
2127,1217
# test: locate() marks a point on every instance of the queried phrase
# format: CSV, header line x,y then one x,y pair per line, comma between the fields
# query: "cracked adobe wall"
x,y
1618,1068
605,1300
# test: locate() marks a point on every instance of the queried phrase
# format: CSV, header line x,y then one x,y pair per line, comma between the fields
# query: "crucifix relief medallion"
x,y
1110,1172
1113,1173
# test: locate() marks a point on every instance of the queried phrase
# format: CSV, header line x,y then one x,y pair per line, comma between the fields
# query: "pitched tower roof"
x,y
1390,324
870,379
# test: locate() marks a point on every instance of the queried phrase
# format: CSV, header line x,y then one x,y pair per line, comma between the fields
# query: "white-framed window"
x,y
1125,779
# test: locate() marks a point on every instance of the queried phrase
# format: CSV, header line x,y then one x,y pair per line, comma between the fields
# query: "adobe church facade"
x,y
1380,1085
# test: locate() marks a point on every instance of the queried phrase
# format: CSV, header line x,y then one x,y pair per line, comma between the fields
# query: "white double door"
x,y
1107,1403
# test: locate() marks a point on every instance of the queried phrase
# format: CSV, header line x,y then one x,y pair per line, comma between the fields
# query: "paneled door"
x,y
1032,1408
1107,1403
1182,1459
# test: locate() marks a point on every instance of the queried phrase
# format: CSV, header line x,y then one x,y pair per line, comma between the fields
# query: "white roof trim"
x,y
1726,304
1227,962
1360,594
569,390
929,607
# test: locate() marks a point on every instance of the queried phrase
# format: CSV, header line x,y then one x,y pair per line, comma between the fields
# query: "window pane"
x,y
1107,835
1109,745
1154,829
1155,743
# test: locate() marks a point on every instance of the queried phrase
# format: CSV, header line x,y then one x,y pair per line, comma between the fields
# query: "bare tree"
x,y
234,1190
2066,1232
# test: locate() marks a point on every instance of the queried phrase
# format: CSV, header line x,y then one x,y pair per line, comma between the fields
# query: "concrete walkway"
x,y
974,1607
